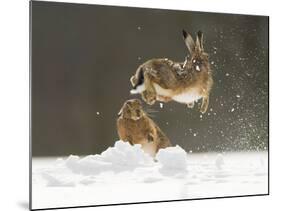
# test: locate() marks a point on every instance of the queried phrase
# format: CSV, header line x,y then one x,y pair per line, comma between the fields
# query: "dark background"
x,y
84,55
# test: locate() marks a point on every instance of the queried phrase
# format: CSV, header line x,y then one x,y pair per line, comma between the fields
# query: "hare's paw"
x,y
149,97
151,100
204,105
203,109
190,105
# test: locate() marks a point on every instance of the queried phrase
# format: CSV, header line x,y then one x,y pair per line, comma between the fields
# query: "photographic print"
x,y
135,105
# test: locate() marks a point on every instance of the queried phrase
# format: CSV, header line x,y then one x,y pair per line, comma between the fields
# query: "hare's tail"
x,y
139,86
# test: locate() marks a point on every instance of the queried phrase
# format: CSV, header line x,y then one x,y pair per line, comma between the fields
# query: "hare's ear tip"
x,y
184,33
199,33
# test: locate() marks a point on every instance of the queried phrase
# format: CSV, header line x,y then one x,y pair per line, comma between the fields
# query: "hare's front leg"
x,y
204,104
149,95
190,105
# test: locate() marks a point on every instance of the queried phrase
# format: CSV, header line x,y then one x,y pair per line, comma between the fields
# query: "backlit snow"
x,y
124,174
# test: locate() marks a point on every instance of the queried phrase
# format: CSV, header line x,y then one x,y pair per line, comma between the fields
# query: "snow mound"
x,y
173,160
121,157
115,162
88,165
124,154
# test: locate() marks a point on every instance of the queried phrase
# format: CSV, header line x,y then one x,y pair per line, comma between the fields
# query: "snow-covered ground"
x,y
124,174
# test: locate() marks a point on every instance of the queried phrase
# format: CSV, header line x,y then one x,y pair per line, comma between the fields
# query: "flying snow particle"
x,y
238,96
212,62
98,113
227,74
197,68
232,109
161,105
194,134
139,28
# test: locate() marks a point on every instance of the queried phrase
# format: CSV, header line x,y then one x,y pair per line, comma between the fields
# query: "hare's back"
x,y
162,73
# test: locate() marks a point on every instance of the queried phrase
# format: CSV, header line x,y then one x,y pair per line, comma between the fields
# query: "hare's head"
x,y
198,59
132,109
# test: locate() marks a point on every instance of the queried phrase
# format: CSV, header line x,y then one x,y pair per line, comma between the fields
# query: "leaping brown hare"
x,y
186,82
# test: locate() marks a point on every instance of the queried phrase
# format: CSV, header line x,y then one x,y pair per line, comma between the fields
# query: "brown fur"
x,y
177,77
134,126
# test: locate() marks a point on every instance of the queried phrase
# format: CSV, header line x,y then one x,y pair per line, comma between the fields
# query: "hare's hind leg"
x,y
204,104
133,80
149,95
163,98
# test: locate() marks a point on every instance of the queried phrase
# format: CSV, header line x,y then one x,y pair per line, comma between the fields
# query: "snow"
x,y
125,173
173,160
121,157
219,161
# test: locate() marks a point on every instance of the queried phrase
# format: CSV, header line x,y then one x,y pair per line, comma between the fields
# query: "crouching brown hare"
x,y
162,79
134,126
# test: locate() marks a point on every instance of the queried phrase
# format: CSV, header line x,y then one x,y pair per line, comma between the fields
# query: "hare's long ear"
x,y
189,42
199,41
